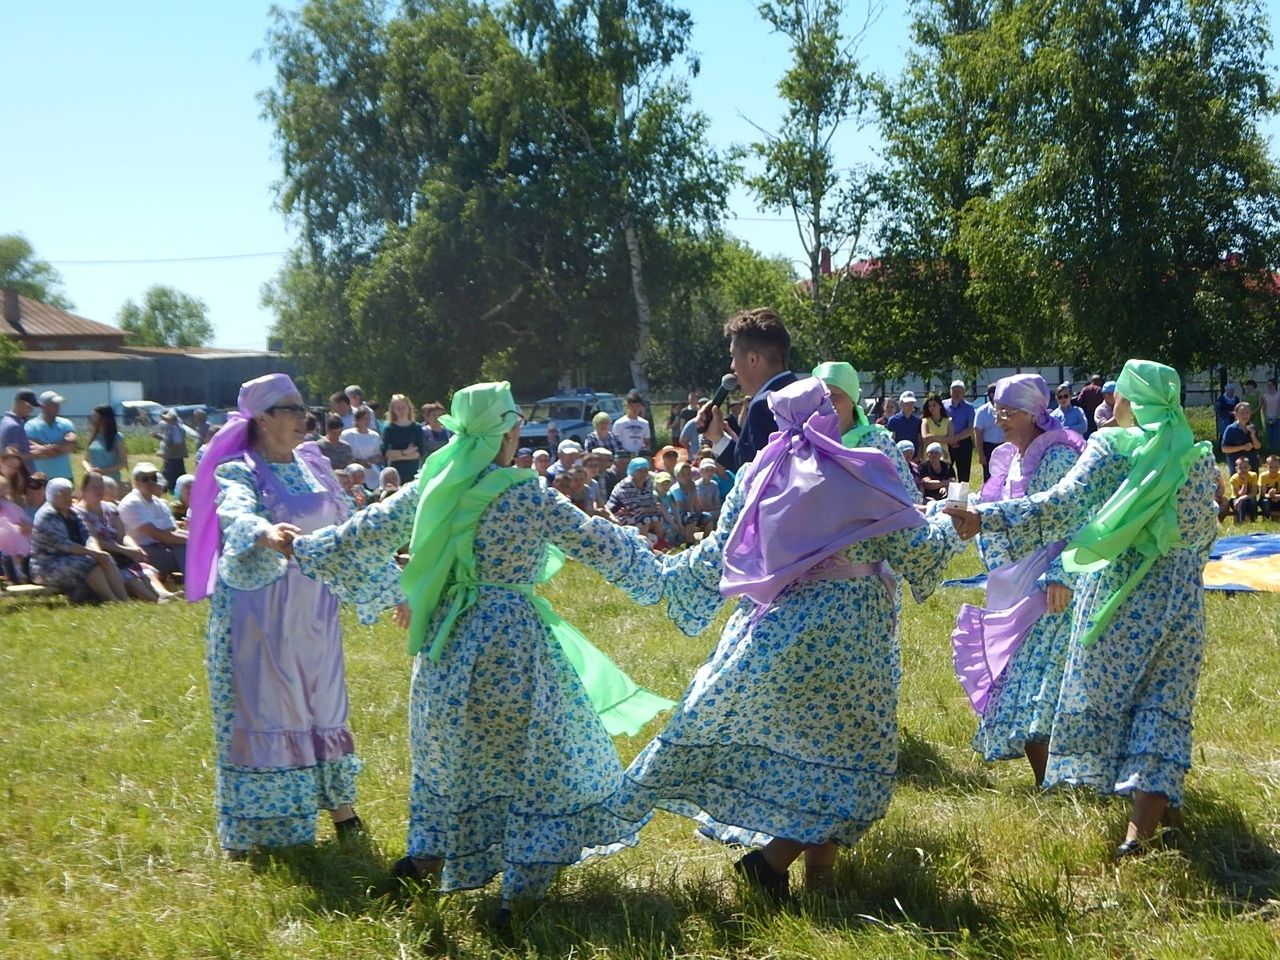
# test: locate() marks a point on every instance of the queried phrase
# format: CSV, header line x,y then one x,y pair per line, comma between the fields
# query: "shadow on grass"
x,y
349,877
1227,851
920,764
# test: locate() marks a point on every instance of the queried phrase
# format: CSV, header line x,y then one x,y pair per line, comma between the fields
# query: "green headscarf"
x,y
837,373
1142,513
479,417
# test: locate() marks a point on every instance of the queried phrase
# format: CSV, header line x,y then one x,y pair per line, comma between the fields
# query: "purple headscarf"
x,y
808,497
204,539
1029,392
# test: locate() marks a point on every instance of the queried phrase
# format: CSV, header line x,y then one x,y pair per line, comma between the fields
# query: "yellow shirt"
x,y
939,429
1269,480
1239,482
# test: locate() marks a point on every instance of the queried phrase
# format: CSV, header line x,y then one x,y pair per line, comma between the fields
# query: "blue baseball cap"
x,y
1109,387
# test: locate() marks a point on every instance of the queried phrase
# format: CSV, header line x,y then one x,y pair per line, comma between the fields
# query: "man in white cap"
x,y
905,424
962,414
53,438
148,519
570,453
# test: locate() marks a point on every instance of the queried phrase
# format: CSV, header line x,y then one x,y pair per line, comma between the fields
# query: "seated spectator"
x,y
672,529
602,434
560,483
908,451
336,450
365,443
149,521
110,490
725,478
709,499
568,454
582,493
524,458
63,555
597,462
1240,438
1067,413
935,473
13,467
615,471
1244,492
356,476
15,537
542,463
388,483
182,499
1269,487
633,503
1104,412
102,520
684,493
667,459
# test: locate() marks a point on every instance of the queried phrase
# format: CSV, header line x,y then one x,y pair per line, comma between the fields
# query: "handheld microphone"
x,y
728,384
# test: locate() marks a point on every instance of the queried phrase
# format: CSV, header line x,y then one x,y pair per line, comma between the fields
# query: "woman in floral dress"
x,y
1010,655
788,734
514,772
1139,514
274,644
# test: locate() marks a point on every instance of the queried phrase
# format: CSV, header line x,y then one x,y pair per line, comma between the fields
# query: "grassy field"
x,y
107,846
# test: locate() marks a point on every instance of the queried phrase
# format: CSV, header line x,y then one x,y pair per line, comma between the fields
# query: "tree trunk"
x,y
638,378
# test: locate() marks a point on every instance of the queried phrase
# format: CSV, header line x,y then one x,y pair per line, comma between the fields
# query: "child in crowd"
x,y
1269,487
709,497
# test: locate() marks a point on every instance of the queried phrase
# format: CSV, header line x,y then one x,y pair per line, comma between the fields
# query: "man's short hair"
x,y
762,331
339,397
333,422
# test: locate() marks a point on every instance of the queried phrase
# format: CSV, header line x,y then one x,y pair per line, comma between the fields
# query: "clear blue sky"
x,y
132,132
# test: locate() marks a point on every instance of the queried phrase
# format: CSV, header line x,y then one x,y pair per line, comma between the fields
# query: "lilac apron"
x,y
286,648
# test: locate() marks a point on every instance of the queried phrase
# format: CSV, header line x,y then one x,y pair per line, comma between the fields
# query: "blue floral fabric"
x,y
1023,701
1123,720
790,729
513,773
268,807
51,565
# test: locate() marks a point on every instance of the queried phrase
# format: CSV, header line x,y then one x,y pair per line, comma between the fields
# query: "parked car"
x,y
216,415
140,413
571,412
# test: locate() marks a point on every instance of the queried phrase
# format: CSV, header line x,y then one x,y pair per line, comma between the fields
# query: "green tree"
x,y
11,368
21,271
166,318
1132,198
823,92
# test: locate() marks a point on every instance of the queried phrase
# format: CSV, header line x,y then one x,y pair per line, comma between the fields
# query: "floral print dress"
x,y
1023,701
513,772
51,564
274,657
790,729
1123,719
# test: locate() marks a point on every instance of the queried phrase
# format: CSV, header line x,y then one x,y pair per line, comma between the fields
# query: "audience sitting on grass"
x,y
709,497
633,504
388,483
15,537
182,499
149,521
1269,488
1244,492
101,519
541,461
935,473
694,521
353,481
65,558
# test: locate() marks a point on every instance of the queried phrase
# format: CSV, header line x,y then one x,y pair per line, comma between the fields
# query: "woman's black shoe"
x,y
755,870
347,829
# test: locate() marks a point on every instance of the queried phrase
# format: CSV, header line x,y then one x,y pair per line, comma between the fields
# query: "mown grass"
x,y
107,846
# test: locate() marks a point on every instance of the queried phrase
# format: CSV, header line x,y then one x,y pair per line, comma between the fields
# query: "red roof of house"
x,y
41,320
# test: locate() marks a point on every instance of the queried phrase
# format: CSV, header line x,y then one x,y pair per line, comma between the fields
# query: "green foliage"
x,y
167,317
21,271
11,368
109,822
1132,199
499,179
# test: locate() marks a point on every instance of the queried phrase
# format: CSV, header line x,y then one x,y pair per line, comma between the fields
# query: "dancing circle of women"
x,y
1084,657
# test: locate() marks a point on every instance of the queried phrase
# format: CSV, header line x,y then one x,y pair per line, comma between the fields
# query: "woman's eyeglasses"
x,y
297,409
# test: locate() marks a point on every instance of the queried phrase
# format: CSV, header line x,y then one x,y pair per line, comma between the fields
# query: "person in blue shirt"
x,y
962,416
1240,438
1067,413
905,424
52,437
987,432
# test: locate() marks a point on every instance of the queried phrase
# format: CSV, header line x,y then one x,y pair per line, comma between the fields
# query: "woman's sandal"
x,y
755,870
